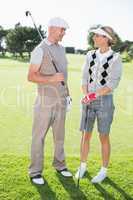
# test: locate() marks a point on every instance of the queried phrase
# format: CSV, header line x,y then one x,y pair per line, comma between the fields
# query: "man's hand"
x,y
89,98
58,77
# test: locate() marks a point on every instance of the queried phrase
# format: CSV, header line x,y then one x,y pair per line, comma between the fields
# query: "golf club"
x,y
82,146
28,13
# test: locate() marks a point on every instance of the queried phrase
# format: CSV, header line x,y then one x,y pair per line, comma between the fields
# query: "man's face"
x,y
57,33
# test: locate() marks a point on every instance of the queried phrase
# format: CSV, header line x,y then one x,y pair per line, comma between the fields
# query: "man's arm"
x,y
35,76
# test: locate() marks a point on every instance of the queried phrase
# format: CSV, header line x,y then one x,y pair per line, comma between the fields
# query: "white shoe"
x,y
38,180
80,173
65,172
99,177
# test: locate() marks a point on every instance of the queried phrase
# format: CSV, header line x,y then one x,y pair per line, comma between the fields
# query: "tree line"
x,y
19,40
22,39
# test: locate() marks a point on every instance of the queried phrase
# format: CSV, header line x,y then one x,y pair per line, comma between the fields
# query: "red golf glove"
x,y
89,98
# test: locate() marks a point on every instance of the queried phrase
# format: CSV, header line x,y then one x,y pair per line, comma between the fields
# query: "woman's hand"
x,y
89,98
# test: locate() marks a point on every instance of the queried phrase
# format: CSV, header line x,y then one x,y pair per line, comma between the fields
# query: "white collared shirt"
x,y
102,56
47,42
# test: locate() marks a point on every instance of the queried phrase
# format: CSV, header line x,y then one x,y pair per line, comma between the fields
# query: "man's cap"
x,y
58,22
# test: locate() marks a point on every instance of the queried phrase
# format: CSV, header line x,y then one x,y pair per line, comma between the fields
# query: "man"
x,y
48,68
101,75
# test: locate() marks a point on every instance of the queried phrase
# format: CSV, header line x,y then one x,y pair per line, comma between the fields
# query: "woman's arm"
x,y
103,91
84,89
85,76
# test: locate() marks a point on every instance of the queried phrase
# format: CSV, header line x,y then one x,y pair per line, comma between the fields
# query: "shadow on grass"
x,y
116,187
71,188
106,195
45,191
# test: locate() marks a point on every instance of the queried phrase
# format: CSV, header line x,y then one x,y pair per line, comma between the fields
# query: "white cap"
x,y
100,31
58,22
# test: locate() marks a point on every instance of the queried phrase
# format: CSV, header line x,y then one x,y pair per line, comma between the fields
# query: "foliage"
x,y
3,34
22,39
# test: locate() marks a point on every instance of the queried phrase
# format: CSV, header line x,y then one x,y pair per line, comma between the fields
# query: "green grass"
x,y
16,102
15,184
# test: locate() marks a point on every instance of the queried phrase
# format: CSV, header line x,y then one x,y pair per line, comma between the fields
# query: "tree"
x,y
2,40
32,38
130,51
22,39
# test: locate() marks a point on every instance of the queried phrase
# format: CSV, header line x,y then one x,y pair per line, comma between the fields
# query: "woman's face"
x,y
100,41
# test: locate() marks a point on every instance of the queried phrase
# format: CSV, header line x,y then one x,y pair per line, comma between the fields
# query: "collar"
x,y
48,42
104,55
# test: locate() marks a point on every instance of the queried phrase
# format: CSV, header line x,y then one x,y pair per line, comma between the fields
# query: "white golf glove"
x,y
69,103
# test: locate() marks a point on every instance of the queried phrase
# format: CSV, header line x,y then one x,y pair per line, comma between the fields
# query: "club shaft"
x,y
82,148
36,27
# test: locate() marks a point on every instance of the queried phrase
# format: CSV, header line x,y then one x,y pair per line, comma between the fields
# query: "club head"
x,y
27,13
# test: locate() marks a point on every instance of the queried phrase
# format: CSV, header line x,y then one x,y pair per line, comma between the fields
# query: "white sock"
x,y
83,164
103,170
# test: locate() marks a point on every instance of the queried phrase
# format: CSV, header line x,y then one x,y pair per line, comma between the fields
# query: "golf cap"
x,y
58,22
100,31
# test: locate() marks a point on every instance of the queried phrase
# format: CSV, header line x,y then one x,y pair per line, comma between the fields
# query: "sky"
x,y
80,15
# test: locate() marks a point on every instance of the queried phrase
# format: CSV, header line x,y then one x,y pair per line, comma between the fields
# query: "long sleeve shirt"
x,y
102,70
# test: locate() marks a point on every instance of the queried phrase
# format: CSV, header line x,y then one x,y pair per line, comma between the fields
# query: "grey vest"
x,y
57,54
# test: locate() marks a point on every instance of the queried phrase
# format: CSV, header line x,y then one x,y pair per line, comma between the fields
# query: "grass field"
x,y
16,102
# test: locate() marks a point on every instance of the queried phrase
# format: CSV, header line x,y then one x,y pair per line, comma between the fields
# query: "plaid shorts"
x,y
101,109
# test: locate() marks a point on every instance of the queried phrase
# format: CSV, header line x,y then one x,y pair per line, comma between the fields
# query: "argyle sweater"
x,y
101,72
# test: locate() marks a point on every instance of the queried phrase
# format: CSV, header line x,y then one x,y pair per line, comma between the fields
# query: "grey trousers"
x,y
48,112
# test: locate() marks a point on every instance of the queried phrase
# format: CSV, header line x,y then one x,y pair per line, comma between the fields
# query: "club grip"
x,y
62,83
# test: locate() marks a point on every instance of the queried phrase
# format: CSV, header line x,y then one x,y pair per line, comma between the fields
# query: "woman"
x,y
101,75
